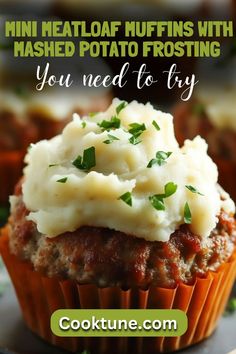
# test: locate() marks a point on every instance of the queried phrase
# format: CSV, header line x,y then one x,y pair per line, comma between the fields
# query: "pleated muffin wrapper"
x,y
11,164
40,296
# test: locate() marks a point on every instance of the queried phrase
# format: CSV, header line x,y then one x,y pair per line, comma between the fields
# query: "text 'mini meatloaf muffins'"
x,y
113,214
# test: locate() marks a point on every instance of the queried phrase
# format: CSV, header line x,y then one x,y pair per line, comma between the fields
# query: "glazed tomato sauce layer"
x,y
107,257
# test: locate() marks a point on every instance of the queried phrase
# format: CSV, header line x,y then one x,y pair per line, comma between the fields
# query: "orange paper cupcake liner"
x,y
39,297
11,164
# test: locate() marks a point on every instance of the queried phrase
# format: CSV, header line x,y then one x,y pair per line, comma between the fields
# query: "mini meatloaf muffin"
x,y
107,257
193,118
15,134
212,114
114,201
27,117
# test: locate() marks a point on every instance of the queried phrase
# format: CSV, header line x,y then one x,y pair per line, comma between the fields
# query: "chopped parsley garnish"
x,y
187,214
88,161
110,139
83,124
157,200
114,123
154,123
121,106
62,180
136,130
53,164
92,114
134,140
161,157
170,188
127,198
193,190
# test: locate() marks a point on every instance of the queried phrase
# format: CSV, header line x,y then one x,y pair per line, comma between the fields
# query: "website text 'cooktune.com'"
x,y
118,323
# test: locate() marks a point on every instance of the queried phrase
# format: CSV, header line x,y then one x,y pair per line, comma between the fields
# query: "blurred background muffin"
x,y
212,114
28,115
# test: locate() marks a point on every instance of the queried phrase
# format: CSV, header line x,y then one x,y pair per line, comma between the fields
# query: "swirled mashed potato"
x,y
109,172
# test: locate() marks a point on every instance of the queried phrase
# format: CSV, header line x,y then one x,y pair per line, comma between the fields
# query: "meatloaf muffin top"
x,y
122,169
114,200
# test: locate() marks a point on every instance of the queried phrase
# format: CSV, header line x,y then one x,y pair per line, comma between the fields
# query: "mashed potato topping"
x,y
122,169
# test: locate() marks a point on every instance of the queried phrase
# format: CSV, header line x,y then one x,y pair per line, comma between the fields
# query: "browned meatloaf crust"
x,y
107,257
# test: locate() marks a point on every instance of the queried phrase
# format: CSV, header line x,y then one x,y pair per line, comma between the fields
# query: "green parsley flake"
x,y
187,214
161,157
111,139
127,198
121,106
88,161
136,130
83,124
92,114
134,140
157,200
53,164
170,188
193,190
154,123
114,123
62,180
